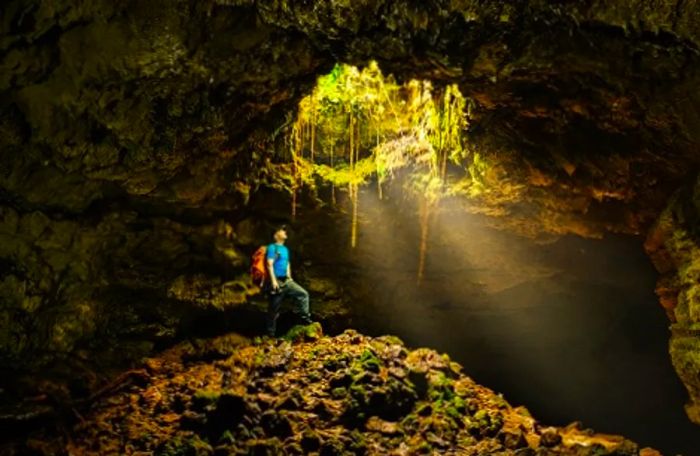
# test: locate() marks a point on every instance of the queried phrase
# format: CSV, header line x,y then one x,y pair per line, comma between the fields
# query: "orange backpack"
x,y
258,268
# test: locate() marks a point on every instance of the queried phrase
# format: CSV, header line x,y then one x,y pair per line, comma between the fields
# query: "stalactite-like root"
x,y
425,212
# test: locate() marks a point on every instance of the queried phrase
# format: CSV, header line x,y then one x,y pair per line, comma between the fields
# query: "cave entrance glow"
x,y
359,128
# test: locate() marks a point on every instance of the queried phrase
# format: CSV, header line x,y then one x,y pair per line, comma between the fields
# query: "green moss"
x,y
206,397
227,437
369,361
424,448
314,376
303,333
186,446
441,388
675,238
456,408
485,423
339,393
409,421
331,364
358,392
685,356
358,443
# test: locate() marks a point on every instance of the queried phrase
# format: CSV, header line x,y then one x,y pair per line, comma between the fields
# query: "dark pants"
x,y
288,289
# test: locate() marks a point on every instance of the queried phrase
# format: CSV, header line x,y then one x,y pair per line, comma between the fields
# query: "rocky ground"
x,y
311,394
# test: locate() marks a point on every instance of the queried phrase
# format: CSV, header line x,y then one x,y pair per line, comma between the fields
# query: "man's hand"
x,y
275,285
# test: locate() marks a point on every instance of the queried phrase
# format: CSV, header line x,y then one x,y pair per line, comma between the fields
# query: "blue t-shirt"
x,y
280,255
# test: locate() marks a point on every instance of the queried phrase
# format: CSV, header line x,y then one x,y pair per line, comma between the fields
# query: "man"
x,y
281,284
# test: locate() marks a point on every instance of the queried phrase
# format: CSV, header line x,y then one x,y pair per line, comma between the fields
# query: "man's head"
x,y
280,233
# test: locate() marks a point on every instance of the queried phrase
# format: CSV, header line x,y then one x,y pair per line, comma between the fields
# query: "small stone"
x,y
512,439
277,424
310,441
340,380
550,438
339,393
375,424
193,420
425,410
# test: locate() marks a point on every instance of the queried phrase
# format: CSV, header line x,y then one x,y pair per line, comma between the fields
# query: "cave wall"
x,y
125,162
133,134
121,275
674,245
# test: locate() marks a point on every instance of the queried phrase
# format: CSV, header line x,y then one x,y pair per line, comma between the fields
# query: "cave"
x,y
476,193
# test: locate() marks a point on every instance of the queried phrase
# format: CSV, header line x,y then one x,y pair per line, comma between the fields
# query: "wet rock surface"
x,y
313,394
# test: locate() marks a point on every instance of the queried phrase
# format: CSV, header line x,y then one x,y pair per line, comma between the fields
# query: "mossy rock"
x,y
186,446
304,333
204,398
485,423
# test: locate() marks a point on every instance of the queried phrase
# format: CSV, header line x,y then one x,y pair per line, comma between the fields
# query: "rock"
x,y
276,359
420,383
193,420
513,440
284,413
267,447
276,424
550,438
331,448
376,424
228,412
293,400
304,333
246,231
324,410
339,393
340,380
323,289
186,446
310,441
674,247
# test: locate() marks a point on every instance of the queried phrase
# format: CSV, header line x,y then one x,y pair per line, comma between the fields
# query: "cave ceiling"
x,y
593,106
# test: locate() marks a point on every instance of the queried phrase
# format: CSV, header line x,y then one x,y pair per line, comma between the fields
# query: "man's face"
x,y
281,235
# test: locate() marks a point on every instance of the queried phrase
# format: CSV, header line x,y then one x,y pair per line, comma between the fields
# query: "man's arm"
x,y
271,270
289,270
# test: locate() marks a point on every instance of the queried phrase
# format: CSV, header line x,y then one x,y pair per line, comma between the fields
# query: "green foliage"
x,y
359,124
344,174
